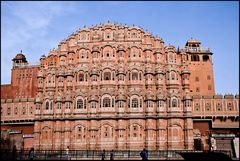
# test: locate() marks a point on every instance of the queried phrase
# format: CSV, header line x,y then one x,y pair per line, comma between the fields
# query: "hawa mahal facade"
x,y
112,86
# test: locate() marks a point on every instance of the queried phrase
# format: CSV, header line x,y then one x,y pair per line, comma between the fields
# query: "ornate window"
x,y
173,75
67,105
134,103
16,111
205,58
79,103
106,102
187,103
106,132
94,78
149,104
80,133
121,77
81,77
194,58
197,106
160,103
230,106
219,106
120,104
135,130
9,111
208,77
197,79
209,87
113,102
93,104
207,106
47,105
59,105
23,110
134,76
107,76
174,102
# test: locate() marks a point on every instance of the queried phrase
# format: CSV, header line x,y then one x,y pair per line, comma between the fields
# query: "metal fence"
x,y
95,155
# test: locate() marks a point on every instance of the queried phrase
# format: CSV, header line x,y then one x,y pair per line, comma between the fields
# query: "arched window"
x,y
107,76
93,104
67,105
106,102
205,58
159,103
59,105
47,105
134,103
134,76
80,77
80,132
173,75
174,102
194,58
79,103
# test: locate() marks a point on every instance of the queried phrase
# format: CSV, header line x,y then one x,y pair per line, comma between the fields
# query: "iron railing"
x,y
95,155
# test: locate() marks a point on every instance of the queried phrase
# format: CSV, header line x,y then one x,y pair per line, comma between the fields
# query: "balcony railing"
x,y
194,49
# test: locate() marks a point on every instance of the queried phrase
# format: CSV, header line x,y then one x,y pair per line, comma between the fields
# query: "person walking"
x,y
111,155
67,153
103,155
14,153
31,154
144,154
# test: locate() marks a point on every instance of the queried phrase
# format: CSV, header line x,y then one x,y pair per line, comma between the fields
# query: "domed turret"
x,y
20,58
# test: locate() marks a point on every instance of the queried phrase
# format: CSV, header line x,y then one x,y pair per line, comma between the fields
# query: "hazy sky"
x,y
37,27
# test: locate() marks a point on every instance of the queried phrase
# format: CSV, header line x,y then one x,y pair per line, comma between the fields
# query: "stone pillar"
x,y
188,134
37,135
57,135
67,130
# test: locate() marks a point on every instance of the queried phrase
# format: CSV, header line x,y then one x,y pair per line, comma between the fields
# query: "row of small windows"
x,y
197,78
194,57
111,76
17,111
209,88
110,102
170,58
218,106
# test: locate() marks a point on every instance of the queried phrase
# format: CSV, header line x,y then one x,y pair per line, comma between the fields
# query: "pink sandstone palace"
x,y
112,86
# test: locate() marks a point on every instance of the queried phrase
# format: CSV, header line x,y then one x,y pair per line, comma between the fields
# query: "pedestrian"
x,y
31,154
14,153
67,153
144,154
103,154
111,155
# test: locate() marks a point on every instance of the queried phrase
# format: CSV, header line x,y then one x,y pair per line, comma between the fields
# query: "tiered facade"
x,y
117,87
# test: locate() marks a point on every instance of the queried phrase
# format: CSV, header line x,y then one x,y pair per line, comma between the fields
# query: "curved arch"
x,y
174,124
134,123
107,45
46,126
105,123
78,125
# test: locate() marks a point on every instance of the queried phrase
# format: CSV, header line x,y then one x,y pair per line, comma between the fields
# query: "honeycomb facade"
x,y
118,87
